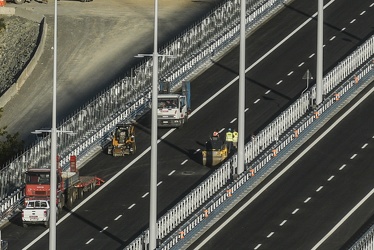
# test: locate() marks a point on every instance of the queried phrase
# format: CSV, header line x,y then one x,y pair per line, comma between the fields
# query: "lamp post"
x,y
319,79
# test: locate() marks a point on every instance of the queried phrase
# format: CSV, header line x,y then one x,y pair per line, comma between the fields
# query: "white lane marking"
x,y
88,242
362,12
270,234
283,222
319,189
145,195
332,38
267,92
311,55
308,199
133,205
119,216
343,219
290,73
343,29
295,211
184,162
354,20
331,177
233,120
279,82
158,184
257,101
172,172
371,5
222,129
257,247
364,146
301,64
102,230
343,166
197,151
353,156
246,110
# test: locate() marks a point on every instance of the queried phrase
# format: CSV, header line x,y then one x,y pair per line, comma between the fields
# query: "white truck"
x,y
36,212
173,109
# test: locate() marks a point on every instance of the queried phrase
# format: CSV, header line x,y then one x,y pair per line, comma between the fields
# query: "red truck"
x,y
70,185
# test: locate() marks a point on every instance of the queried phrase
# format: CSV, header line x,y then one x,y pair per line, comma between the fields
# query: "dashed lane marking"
x,y
331,177
353,156
354,20
311,55
145,195
364,146
102,230
257,247
332,38
279,82
233,120
301,64
270,234
362,12
158,184
295,211
246,110
119,216
172,172
343,29
283,222
184,162
319,189
342,167
308,199
133,205
267,92
257,101
88,242
290,73
197,151
222,129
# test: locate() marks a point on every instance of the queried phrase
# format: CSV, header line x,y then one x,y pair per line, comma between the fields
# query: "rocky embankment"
x,y
18,40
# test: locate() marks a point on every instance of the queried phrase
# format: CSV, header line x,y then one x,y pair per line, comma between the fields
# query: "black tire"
x,y
80,193
70,200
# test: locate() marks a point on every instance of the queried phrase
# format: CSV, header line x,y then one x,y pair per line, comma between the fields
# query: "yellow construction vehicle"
x,y
215,152
123,140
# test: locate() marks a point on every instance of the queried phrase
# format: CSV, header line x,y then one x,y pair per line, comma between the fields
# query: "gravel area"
x,y
18,40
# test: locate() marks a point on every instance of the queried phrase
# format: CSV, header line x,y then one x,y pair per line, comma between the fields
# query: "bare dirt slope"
x,y
97,42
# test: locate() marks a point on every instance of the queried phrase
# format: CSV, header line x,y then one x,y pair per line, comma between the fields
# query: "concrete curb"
x,y
13,90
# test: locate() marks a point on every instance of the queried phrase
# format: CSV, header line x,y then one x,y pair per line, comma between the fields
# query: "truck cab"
x,y
172,110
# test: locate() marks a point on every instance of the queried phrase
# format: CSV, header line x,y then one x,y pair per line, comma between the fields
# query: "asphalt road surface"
x,y
119,211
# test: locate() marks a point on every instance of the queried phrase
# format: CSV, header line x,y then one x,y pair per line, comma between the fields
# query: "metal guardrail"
x,y
129,97
271,141
366,241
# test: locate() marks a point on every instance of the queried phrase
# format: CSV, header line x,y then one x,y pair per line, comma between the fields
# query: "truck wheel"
x,y
80,193
19,1
70,200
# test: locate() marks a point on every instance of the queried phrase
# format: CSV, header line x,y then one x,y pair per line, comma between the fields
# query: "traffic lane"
x,y
329,181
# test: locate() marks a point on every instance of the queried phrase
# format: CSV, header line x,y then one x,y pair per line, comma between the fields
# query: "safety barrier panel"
x,y
129,97
366,241
273,139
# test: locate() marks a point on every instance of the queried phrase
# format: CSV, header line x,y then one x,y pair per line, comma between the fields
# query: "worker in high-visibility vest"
x,y
229,137
235,135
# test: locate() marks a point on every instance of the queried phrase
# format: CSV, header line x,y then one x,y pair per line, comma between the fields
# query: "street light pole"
x,y
153,181
319,84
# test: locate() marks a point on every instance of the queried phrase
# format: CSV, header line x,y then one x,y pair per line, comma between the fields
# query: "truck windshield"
x,y
168,103
37,178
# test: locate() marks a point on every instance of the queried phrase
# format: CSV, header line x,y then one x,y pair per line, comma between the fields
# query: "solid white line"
x,y
267,92
362,12
144,195
105,228
88,242
343,219
233,120
343,166
353,156
311,55
283,222
364,146
295,211
301,64
158,184
172,172
119,216
257,247
290,73
133,205
279,82
308,199
319,189
332,38
270,234
331,177
354,20
257,101
184,162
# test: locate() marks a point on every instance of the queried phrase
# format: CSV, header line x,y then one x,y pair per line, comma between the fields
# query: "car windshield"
x,y
168,103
